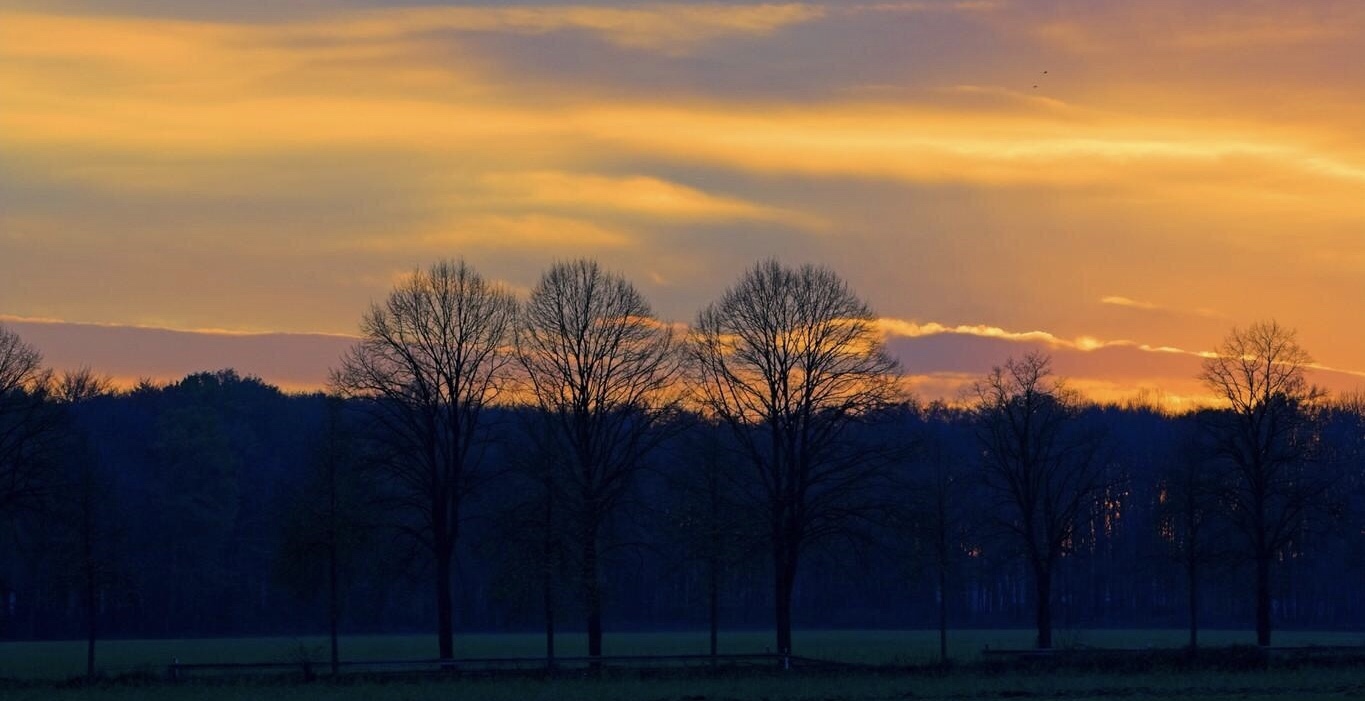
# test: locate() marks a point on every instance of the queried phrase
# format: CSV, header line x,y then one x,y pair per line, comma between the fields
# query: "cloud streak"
x,y
1140,305
640,195
671,27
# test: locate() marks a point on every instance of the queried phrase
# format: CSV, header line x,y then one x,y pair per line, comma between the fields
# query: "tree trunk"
x,y
444,607
1263,599
1043,577
943,613
713,492
549,622
91,576
333,603
713,594
1193,573
592,592
548,557
333,574
784,574
91,604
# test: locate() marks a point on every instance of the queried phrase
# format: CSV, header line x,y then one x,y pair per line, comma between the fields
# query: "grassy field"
x,y
1314,685
60,660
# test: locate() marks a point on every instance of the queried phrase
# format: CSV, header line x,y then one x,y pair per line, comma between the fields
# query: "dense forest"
x,y
218,505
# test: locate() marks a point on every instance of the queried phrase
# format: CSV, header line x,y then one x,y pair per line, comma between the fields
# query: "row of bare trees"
x,y
787,359
1259,464
788,371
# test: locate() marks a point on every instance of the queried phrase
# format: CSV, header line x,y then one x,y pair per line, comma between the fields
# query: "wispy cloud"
x,y
1129,303
1083,343
673,27
925,6
1172,25
200,88
911,329
635,194
500,231
198,331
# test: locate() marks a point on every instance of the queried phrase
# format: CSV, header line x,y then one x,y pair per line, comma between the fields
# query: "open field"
x,y
60,660
1303,685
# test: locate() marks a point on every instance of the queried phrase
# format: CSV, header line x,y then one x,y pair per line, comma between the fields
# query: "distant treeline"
x,y
201,473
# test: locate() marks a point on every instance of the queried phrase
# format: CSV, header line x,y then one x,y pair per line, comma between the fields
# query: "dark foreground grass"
x,y
1296,685
61,660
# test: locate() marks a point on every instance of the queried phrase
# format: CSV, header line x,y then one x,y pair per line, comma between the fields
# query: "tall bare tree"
x,y
87,510
328,519
1265,438
941,507
1186,512
430,359
789,359
1044,463
29,423
602,370
705,518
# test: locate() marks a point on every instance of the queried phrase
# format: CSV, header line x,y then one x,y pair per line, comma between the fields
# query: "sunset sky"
x,y
199,184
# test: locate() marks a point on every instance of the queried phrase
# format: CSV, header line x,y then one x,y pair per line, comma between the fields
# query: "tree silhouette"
x,y
940,508
704,515
1186,512
601,369
1043,461
789,359
29,424
1265,439
87,510
430,359
328,518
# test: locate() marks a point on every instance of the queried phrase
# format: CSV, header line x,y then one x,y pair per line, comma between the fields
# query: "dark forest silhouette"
x,y
572,458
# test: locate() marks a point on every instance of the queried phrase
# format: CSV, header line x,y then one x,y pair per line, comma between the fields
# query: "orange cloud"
x,y
1166,25
638,194
910,329
522,230
236,72
672,27
1120,301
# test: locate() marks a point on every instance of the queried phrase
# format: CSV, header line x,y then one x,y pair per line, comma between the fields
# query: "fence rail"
x,y
309,669
1235,655
647,664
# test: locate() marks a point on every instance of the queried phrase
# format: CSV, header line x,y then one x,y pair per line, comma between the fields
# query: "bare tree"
x,y
328,518
430,359
708,523
1186,513
29,424
602,370
87,509
940,507
789,359
527,539
1043,461
1265,438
